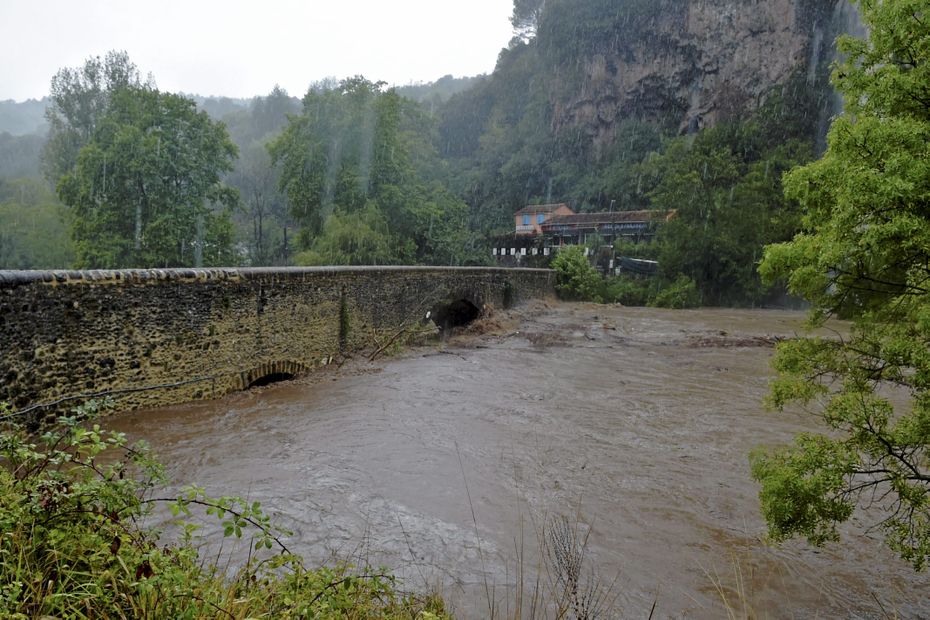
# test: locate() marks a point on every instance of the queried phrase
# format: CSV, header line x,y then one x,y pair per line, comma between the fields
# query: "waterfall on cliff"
x,y
845,19
813,63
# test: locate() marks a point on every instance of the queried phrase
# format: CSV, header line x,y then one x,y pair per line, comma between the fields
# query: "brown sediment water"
x,y
635,424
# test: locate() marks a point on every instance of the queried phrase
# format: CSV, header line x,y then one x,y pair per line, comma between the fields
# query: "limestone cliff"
x,y
695,63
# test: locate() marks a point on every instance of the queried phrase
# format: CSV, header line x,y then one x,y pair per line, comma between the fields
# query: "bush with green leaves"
x,y
73,543
576,279
628,291
680,293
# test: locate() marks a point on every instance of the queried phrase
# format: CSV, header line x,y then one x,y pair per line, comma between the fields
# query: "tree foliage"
x,y
356,238
359,171
510,145
79,98
20,156
864,254
263,224
525,17
726,191
446,174
265,210
34,230
146,190
595,26
680,293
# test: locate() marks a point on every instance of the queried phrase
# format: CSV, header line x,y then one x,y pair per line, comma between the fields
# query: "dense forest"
x,y
109,171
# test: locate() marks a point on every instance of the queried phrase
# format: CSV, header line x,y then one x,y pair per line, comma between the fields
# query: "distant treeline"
x,y
21,118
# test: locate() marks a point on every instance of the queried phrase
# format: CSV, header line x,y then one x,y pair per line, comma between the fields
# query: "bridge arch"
x,y
458,309
271,372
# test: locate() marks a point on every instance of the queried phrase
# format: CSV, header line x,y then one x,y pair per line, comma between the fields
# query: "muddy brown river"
x,y
447,462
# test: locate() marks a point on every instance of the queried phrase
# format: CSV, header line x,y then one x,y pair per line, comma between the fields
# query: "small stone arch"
x,y
271,372
457,310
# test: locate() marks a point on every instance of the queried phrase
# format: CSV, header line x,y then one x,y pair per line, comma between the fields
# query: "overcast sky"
x,y
243,48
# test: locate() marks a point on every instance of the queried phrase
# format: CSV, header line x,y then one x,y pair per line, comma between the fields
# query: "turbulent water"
x,y
634,424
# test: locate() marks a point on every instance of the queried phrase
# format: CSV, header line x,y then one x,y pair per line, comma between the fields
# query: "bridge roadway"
x,y
165,336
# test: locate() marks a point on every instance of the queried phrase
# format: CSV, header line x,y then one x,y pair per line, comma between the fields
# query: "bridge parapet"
x,y
162,336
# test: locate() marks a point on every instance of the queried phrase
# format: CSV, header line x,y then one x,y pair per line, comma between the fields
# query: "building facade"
x,y
530,219
541,230
581,228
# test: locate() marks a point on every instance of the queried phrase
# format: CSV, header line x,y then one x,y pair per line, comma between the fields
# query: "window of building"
x,y
526,220
540,218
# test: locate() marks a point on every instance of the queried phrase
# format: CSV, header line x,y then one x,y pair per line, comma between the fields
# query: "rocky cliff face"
x,y
699,62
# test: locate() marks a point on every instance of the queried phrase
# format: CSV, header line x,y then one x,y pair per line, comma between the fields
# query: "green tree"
x,y
356,238
20,155
525,18
79,98
359,155
265,207
263,224
679,293
864,253
146,189
725,185
324,153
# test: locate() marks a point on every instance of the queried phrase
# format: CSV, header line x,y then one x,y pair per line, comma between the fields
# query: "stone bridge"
x,y
164,336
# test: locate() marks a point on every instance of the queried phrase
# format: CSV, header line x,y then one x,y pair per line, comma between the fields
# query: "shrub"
x,y
576,279
681,293
627,291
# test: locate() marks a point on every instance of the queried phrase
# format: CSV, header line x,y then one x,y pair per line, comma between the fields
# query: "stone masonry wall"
x,y
155,337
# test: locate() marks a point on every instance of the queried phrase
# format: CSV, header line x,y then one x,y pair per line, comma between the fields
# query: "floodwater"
x,y
634,424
